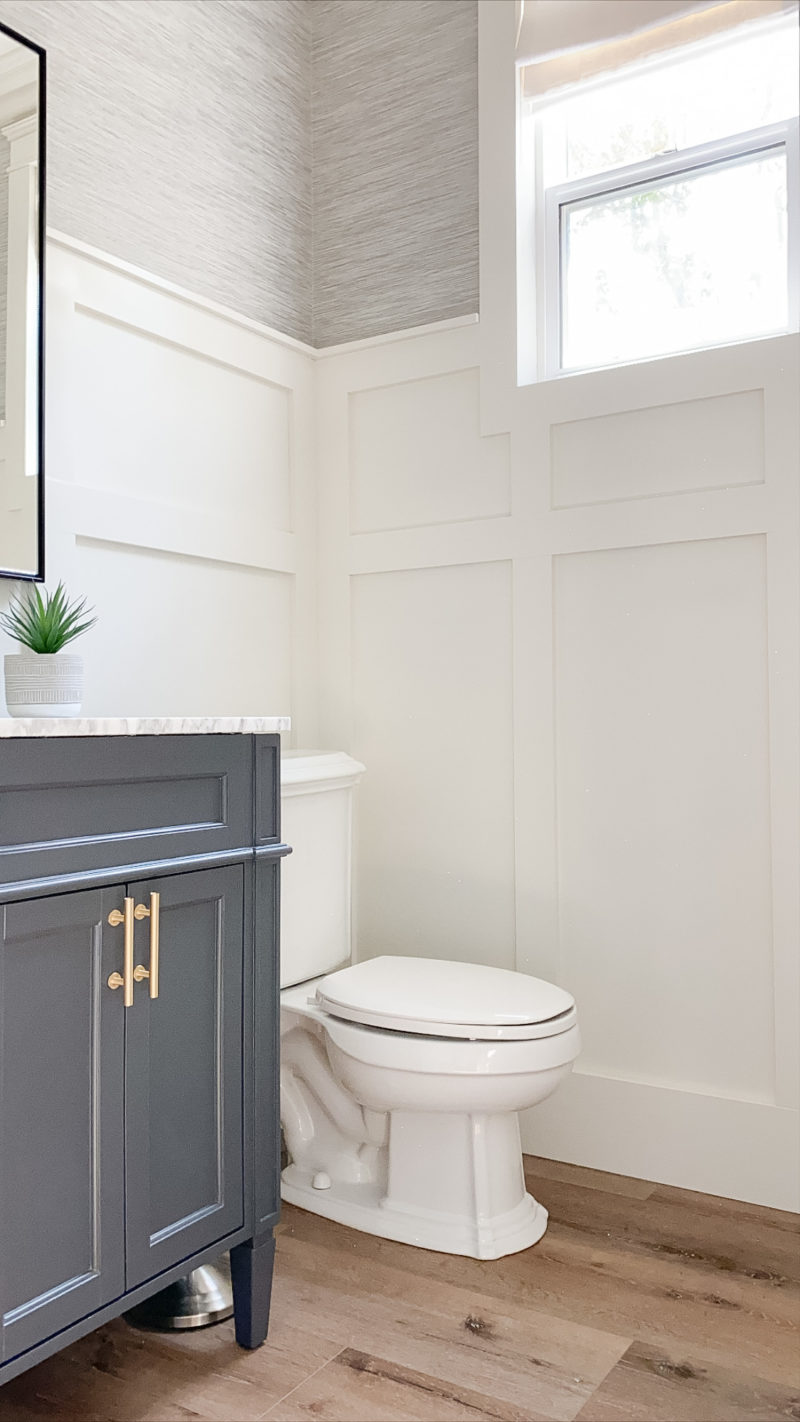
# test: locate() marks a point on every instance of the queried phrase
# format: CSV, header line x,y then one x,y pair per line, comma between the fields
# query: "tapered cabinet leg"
x,y
251,1274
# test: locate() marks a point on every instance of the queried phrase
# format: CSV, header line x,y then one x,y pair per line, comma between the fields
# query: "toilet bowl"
x,y
401,1078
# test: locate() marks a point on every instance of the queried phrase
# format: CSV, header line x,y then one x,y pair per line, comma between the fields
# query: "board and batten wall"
x,y
567,656
168,417
560,628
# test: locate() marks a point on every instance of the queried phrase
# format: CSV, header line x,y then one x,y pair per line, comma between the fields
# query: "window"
x,y
666,204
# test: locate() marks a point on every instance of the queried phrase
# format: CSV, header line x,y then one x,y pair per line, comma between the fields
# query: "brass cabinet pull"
x,y
125,979
155,941
140,972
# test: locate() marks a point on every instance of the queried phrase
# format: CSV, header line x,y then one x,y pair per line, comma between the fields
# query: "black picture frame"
x,y
37,576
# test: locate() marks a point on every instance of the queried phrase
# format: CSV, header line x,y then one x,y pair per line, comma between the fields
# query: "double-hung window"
x,y
665,204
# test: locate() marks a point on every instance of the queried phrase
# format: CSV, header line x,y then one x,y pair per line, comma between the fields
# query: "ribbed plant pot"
x,y
44,683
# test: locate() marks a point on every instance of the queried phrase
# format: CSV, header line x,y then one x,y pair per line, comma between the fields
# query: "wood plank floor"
x,y
642,1303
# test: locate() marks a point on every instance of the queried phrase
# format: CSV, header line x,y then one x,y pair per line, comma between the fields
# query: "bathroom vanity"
x,y
139,1134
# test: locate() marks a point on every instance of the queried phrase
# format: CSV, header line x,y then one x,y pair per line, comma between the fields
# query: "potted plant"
x,y
44,681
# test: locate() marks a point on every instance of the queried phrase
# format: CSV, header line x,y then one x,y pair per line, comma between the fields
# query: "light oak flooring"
x,y
642,1303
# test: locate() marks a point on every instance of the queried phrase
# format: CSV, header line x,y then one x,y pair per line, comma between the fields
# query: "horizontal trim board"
x,y
662,380
675,518
488,540
695,517
104,516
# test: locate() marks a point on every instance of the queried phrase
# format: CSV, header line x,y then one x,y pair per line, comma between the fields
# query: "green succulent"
x,y
46,624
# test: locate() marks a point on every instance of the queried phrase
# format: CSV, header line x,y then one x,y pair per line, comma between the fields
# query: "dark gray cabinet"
x,y
183,1076
138,1049
61,1112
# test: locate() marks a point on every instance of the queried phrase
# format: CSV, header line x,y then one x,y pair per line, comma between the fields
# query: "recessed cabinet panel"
x,y
184,1071
61,1059
87,804
267,790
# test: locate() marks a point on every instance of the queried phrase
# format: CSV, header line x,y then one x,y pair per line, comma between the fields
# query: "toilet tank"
x,y
316,820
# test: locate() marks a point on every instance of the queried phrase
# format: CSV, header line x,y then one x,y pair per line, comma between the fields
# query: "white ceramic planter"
x,y
44,684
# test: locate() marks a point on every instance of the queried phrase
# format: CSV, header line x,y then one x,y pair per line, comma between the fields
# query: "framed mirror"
x,y
22,176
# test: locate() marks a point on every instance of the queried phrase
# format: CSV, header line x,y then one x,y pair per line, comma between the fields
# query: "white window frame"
x,y
775,138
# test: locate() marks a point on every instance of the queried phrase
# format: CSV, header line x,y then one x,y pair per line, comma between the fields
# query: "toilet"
x,y
402,1077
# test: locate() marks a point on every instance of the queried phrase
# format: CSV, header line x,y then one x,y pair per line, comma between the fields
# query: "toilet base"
x,y
364,1207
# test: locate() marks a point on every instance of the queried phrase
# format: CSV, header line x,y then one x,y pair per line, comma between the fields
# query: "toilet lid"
x,y
445,999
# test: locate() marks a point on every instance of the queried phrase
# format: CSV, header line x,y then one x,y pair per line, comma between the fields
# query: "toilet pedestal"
x,y
444,1181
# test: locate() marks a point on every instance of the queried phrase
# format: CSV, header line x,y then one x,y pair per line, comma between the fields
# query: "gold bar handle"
x,y
126,979
154,915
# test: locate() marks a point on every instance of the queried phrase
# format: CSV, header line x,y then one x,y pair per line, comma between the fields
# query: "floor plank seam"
x,y
281,1400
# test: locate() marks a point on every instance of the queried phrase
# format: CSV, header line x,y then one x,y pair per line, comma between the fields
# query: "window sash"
x,y
647,174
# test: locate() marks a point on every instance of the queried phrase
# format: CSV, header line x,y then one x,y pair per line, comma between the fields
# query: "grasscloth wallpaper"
x,y
311,163
395,172
179,140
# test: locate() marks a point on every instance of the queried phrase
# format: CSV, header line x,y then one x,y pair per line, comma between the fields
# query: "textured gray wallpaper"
x,y
395,167
179,140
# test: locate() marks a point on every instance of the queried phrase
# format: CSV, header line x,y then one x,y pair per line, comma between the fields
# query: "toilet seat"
x,y
437,998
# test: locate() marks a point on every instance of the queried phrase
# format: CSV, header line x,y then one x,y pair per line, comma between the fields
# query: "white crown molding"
x,y
95,254
407,333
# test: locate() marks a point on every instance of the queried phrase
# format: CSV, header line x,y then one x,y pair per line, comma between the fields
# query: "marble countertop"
x,y
142,725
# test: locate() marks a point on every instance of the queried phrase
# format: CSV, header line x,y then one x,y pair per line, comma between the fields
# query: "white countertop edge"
x,y
14,727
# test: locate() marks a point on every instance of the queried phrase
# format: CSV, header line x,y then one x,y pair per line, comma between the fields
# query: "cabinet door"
x,y
183,1073
61,1111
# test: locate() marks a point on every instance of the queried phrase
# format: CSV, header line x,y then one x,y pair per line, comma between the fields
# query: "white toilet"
x,y
401,1078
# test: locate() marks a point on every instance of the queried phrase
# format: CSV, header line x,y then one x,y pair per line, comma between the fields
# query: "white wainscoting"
x,y
180,495
568,655
566,648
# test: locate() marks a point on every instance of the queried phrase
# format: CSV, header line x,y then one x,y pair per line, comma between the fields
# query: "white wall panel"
x,y
713,443
221,439
182,636
431,676
663,812
417,456
180,495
